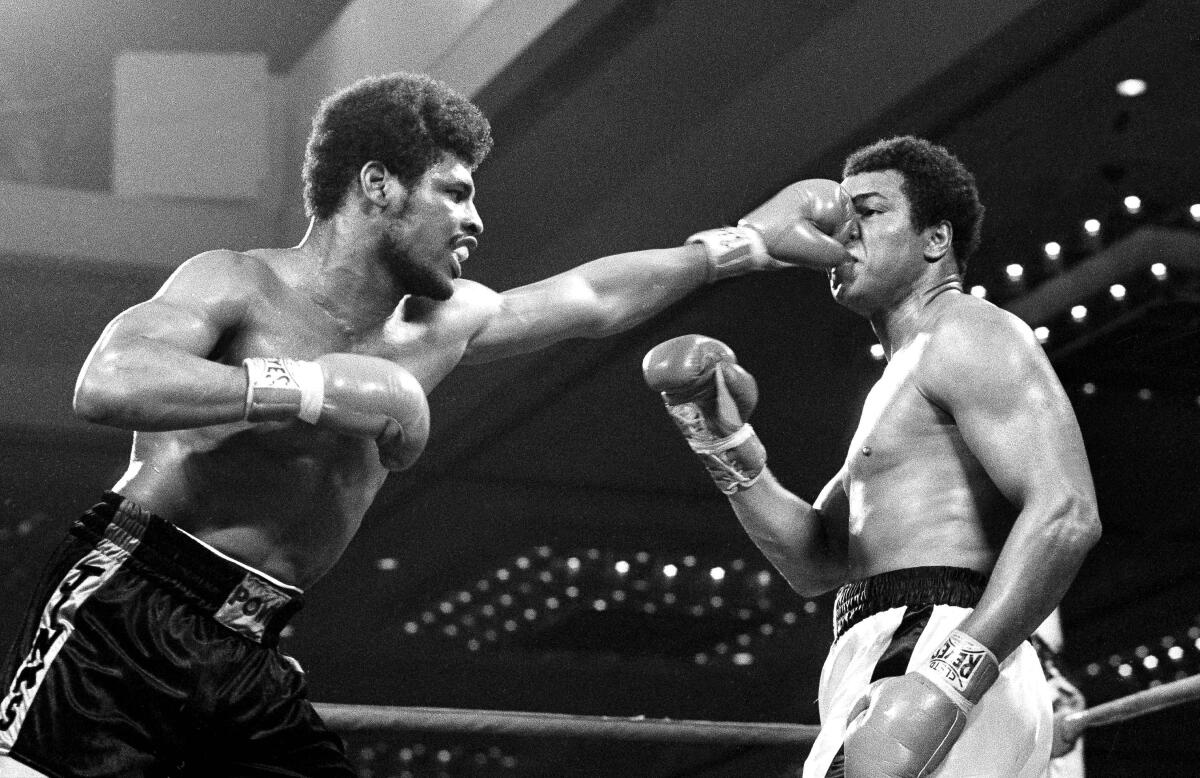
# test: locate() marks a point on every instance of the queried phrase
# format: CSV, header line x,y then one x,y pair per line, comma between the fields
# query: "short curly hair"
x,y
938,187
404,120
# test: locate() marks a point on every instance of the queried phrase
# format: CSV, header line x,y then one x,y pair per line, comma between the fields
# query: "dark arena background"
x,y
557,549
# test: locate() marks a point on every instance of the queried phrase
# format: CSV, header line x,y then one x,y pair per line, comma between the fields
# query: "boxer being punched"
x,y
271,392
961,514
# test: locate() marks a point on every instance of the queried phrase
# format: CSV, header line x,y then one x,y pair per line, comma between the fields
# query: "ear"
x,y
376,183
938,241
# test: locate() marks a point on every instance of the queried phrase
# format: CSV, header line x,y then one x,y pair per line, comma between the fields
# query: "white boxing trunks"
x,y
885,626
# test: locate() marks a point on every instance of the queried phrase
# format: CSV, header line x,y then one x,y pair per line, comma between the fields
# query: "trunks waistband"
x,y
912,586
232,594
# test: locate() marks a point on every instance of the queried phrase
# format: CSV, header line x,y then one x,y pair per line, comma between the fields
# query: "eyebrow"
x,y
856,199
454,182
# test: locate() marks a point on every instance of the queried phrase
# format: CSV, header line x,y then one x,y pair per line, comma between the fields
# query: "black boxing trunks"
x,y
147,653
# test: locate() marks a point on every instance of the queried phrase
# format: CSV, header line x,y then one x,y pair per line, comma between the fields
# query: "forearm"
x,y
150,389
1035,568
792,535
627,289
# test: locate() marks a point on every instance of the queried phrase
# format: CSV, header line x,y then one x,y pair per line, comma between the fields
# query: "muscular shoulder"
x,y
974,345
470,307
235,273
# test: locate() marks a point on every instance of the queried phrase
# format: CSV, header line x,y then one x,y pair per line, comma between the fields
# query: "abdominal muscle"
x,y
285,498
927,511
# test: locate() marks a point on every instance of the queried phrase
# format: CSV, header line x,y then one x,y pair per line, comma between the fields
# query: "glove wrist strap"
x,y
962,667
732,251
734,462
279,388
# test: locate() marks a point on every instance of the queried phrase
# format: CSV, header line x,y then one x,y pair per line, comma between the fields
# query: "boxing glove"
x,y
805,224
352,394
904,726
709,396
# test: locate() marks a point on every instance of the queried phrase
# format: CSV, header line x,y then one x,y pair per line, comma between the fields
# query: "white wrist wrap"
x,y
739,436
278,389
963,668
732,251
734,462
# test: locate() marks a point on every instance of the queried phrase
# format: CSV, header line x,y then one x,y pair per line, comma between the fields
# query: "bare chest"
x,y
899,424
426,346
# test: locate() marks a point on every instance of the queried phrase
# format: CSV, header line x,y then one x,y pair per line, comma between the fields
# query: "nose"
x,y
472,224
853,231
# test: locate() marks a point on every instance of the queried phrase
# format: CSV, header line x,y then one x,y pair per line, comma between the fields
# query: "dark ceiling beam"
x,y
1176,248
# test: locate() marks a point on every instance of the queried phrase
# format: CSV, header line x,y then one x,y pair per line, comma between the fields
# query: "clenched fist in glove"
x,y
904,726
352,394
805,224
709,396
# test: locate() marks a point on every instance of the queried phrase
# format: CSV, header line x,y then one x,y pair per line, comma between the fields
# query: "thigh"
x,y
74,704
1009,733
264,725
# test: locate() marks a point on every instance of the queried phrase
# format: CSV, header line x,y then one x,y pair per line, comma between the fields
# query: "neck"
x,y
346,277
898,324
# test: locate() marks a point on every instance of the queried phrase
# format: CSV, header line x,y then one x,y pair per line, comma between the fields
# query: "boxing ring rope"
x,y
498,722
1168,695
349,718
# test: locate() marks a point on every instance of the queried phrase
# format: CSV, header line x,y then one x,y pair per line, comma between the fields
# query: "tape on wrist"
x,y
693,423
734,462
732,251
962,667
739,436
279,388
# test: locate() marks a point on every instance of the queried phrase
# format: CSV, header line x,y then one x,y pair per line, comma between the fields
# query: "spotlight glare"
x,y
1079,312
1015,272
1053,250
1117,291
622,567
1092,227
1159,270
670,571
1194,212
717,573
876,351
1131,87
979,291
1042,334
1133,205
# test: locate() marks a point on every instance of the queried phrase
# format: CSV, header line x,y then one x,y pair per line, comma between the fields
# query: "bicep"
x,y
532,317
1016,419
188,314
